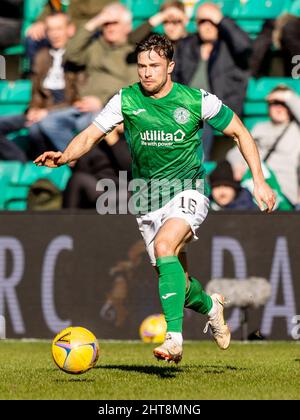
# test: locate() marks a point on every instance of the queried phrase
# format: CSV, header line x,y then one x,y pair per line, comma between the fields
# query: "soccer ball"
x,y
153,329
75,350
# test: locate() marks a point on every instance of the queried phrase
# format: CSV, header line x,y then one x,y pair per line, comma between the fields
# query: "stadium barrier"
x,y
59,269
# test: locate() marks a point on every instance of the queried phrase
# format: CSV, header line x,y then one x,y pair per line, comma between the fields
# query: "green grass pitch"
x,y
127,370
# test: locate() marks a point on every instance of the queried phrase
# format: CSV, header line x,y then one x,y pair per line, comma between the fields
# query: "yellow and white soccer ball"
x,y
75,350
153,329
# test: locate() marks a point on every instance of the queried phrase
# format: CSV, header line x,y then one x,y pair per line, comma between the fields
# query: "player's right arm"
x,y
106,121
79,146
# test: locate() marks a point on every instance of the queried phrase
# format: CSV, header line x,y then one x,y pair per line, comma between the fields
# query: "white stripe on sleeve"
x,y
111,114
211,105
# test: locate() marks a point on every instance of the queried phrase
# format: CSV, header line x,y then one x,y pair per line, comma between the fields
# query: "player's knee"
x,y
163,248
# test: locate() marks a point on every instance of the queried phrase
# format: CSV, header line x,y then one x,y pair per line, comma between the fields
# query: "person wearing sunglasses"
x,y
215,58
278,142
173,19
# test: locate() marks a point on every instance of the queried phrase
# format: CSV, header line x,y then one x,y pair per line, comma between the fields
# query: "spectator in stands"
x,y
103,162
11,15
278,142
53,86
173,18
79,11
226,193
215,59
275,46
106,67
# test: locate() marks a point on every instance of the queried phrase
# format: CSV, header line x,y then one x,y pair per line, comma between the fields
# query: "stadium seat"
x,y
259,9
15,197
295,8
32,173
10,173
250,122
209,166
142,9
258,89
32,9
14,96
15,92
255,108
16,178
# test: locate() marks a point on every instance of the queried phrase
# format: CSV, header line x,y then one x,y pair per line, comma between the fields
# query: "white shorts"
x,y
190,205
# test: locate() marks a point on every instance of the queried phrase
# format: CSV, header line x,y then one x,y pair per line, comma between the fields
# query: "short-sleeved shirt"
x,y
163,138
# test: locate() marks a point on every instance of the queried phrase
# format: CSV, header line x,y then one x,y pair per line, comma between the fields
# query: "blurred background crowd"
x,y
66,58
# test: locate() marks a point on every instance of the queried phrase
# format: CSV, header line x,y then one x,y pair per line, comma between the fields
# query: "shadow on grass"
x,y
160,371
221,369
171,371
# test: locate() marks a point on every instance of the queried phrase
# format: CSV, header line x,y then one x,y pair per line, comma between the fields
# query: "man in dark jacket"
x,y
214,59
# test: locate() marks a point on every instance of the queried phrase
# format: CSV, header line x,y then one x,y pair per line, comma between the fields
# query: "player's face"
x,y
154,71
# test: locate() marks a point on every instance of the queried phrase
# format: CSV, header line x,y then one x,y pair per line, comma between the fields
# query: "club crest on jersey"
x,y
181,115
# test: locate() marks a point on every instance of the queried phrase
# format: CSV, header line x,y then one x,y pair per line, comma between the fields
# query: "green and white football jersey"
x,y
163,138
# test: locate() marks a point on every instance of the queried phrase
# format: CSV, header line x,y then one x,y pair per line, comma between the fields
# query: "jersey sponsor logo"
x,y
138,111
181,115
165,139
167,295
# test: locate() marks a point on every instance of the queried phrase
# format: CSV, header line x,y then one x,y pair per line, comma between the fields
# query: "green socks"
x,y
171,291
196,298
173,294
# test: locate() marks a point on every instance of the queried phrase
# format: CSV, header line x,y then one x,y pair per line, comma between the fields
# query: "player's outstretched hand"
x,y
50,159
264,196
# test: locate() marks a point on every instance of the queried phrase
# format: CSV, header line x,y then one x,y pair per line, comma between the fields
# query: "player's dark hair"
x,y
158,43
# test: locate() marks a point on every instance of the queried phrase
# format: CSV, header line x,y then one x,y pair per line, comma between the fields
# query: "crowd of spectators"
x,y
81,56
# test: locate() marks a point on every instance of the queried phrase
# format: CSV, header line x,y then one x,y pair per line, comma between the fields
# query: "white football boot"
x,y
170,350
217,324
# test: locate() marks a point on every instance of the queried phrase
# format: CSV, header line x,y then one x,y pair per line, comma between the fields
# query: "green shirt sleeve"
x,y
222,119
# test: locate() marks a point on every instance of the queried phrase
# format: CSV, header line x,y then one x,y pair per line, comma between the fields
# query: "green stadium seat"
x,y
209,166
15,197
11,171
15,50
32,173
32,9
259,9
295,8
14,96
142,9
252,27
250,122
258,89
17,92
12,109
255,108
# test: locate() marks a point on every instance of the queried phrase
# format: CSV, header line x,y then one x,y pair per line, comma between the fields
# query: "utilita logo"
x,y
161,136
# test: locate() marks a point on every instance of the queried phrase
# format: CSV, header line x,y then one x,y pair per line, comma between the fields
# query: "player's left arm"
x,y
263,194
